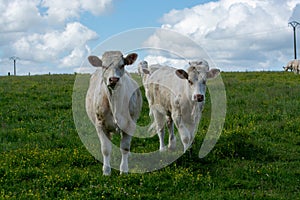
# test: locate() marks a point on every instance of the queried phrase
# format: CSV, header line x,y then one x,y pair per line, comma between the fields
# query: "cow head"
x,y
197,74
113,64
142,66
287,68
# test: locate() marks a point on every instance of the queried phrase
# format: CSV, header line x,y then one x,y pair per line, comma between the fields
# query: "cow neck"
x,y
111,96
107,90
116,102
195,110
196,106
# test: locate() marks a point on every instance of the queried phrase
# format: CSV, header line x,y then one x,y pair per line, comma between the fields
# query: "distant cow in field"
x,y
293,65
145,70
113,102
142,65
178,96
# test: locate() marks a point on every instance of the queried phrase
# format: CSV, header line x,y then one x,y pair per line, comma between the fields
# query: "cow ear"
x,y
130,58
95,61
213,73
182,74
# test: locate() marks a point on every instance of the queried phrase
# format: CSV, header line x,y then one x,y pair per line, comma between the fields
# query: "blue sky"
x,y
237,35
132,14
136,13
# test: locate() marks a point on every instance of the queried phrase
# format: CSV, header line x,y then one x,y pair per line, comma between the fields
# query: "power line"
x,y
15,58
294,24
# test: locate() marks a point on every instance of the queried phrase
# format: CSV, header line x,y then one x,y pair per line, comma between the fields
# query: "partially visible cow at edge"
x,y
178,96
143,65
113,103
145,71
293,65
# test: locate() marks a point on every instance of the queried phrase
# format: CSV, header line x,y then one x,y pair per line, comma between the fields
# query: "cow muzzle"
x,y
198,97
112,82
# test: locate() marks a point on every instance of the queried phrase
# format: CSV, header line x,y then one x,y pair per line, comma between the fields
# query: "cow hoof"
x,y
106,171
123,173
172,145
163,149
172,148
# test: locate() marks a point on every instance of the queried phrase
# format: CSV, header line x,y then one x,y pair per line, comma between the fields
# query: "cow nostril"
x,y
198,97
113,80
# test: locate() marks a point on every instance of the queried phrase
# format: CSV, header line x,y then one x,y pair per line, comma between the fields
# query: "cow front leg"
x,y
105,150
184,133
125,149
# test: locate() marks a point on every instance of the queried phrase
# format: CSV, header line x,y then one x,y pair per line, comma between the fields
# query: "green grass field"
x,y
256,157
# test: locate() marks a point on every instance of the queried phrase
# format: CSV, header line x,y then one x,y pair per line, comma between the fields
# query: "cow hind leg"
x,y
172,138
125,149
159,120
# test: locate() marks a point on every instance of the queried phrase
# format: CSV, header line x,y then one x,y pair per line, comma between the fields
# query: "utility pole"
x,y
14,58
294,24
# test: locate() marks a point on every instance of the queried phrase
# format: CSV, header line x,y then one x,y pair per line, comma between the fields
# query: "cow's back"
x,y
164,88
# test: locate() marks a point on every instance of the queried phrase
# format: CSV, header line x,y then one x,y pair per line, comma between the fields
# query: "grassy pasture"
x,y
256,157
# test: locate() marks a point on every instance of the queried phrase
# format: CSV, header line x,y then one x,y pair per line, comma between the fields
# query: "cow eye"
x,y
190,82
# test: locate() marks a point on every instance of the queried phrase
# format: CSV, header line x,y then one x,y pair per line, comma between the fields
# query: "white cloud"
x,y
75,59
96,6
52,45
237,34
46,32
296,13
174,44
17,16
21,15
59,11
173,62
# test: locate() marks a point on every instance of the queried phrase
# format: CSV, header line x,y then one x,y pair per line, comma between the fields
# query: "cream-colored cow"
x,y
293,65
113,102
178,96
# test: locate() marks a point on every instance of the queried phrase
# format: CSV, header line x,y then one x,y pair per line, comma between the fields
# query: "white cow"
x,y
113,102
293,65
178,96
142,65
145,71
